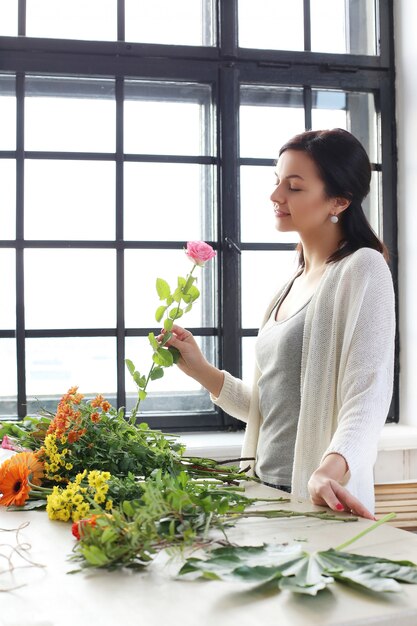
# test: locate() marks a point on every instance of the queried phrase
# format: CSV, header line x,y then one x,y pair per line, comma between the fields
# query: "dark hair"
x,y
345,170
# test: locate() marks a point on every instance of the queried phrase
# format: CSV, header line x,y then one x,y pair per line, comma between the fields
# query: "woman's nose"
x,y
277,195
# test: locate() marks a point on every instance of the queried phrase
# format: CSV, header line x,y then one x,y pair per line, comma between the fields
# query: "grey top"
x,y
278,355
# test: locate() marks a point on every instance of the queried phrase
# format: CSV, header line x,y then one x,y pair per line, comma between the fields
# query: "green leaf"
x,y
169,300
130,366
128,508
157,372
194,293
153,341
142,394
162,288
94,555
301,572
168,324
28,506
175,354
139,380
177,295
188,307
163,357
175,313
160,313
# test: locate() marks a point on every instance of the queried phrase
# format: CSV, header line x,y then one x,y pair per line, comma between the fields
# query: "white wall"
x,y
405,21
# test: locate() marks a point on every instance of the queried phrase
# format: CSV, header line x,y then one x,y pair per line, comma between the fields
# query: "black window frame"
x,y
225,67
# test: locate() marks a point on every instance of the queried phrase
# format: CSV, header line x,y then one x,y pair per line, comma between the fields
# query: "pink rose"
x,y
8,444
199,252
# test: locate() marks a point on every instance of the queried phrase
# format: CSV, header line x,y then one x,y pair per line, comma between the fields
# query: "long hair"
x,y
345,169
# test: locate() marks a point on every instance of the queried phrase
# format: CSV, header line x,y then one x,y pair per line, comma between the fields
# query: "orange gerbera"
x,y
15,475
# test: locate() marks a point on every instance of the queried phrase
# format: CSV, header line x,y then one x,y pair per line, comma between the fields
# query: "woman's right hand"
x,y
192,361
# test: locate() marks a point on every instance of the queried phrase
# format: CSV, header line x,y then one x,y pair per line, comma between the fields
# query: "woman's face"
x,y
300,202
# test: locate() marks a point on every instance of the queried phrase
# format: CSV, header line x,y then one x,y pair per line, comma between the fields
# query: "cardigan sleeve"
x,y
365,377
234,397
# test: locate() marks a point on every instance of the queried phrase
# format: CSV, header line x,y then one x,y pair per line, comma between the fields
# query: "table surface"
x,y
51,597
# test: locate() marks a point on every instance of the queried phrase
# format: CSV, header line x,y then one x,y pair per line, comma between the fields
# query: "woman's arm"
x,y
193,363
230,393
325,488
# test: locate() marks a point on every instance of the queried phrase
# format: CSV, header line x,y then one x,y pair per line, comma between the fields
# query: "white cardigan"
x,y
346,374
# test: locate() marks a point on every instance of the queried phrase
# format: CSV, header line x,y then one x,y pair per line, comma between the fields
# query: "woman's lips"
x,y
281,214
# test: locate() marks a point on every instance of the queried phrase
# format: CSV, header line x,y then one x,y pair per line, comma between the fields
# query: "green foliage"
x,y
26,433
186,292
288,567
171,510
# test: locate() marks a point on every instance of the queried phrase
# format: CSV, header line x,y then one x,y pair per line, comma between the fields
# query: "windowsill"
x,y
221,445
398,437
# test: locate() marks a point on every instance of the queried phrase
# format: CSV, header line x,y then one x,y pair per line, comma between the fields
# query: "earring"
x,y
334,219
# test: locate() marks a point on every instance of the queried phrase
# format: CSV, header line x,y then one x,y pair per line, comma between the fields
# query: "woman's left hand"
x,y
326,491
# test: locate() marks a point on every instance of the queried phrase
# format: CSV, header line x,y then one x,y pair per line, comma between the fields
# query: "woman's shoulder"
x,y
366,261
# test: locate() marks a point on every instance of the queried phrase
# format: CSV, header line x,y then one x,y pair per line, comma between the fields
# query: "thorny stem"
x,y
384,519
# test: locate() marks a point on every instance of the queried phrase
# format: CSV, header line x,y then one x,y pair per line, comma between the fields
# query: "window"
x,y
125,132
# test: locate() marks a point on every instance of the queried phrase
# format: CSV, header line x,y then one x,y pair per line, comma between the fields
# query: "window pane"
x,y
184,22
271,24
7,289
7,199
85,211
269,116
8,377
70,288
143,267
169,201
72,19
175,391
352,111
343,26
8,18
171,118
70,115
263,274
54,365
7,113
257,215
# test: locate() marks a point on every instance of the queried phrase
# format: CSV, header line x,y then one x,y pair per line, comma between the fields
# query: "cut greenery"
x,y
280,567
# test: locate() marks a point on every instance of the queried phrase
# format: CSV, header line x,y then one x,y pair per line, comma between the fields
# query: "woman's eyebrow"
x,y
290,176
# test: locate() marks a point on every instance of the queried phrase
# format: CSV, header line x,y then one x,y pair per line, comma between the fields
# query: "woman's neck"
x,y
318,247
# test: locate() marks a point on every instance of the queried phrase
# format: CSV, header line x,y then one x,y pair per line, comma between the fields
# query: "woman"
x,y
325,351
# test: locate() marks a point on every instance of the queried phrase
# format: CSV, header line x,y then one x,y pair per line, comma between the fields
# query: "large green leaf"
x,y
288,567
163,357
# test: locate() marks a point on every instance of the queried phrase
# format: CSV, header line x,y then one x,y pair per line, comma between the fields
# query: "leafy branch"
x,y
185,292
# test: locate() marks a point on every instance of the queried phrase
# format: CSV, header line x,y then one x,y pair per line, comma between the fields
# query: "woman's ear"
x,y
340,204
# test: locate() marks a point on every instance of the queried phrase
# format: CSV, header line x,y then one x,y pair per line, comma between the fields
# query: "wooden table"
x,y
155,598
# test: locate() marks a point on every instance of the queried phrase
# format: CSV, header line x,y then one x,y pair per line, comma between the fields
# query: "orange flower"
x,y
65,415
105,406
97,401
95,417
77,527
15,475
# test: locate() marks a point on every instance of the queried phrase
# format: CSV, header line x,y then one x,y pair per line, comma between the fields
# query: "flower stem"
x,y
384,519
164,340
